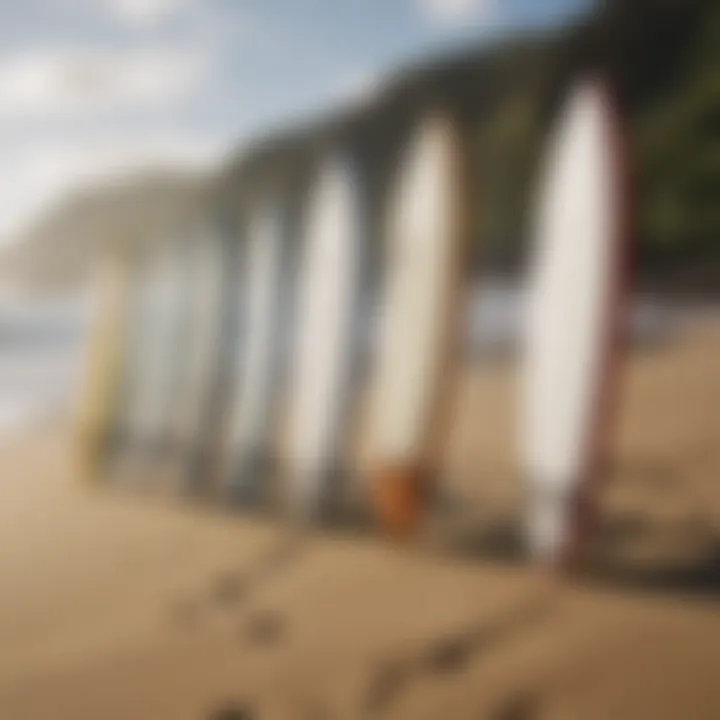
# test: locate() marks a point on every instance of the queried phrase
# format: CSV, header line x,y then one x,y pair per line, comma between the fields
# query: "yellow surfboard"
x,y
101,387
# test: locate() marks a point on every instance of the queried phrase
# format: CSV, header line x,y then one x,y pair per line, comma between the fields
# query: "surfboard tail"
x,y
400,497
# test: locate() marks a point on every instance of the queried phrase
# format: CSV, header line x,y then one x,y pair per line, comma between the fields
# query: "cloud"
x,y
453,11
61,81
146,13
39,174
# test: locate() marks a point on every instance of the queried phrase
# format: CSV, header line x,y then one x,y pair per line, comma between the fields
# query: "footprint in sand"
x,y
263,629
232,712
231,588
388,681
228,589
448,655
519,707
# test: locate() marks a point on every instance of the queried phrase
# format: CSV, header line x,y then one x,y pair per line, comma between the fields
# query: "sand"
x,y
116,605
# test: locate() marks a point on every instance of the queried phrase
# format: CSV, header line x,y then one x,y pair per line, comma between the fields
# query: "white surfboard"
x,y
134,359
251,412
203,341
572,312
156,382
417,319
326,300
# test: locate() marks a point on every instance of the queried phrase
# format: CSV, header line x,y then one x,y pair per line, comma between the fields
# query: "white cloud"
x,y
453,11
37,175
47,82
146,13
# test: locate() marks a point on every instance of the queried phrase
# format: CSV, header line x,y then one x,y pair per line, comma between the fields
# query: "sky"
x,y
94,88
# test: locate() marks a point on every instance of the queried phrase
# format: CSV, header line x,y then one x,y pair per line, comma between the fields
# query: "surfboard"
x,y
134,351
255,394
573,311
322,356
169,422
417,322
203,340
156,381
99,403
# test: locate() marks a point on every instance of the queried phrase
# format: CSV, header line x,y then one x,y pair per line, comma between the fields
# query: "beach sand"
x,y
116,604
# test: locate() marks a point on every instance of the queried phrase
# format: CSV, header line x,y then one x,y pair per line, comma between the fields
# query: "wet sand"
x,y
115,604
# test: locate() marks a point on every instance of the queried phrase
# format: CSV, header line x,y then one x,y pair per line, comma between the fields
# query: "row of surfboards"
x,y
254,362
